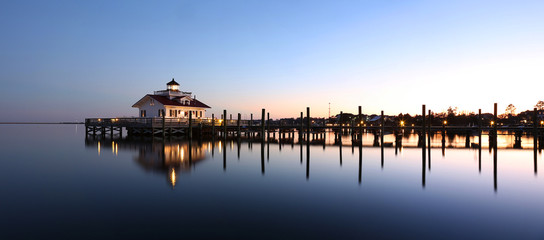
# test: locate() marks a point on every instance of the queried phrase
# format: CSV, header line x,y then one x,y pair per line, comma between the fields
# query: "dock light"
x,y
541,122
445,122
402,123
99,119
492,122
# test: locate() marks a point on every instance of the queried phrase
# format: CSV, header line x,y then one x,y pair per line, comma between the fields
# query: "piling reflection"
x,y
175,157
360,162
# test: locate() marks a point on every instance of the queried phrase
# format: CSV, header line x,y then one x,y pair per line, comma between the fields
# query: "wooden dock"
x,y
303,128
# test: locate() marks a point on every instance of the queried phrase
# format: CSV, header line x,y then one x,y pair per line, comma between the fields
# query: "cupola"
x,y
172,86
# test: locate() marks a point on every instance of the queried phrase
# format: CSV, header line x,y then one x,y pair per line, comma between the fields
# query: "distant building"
x,y
171,103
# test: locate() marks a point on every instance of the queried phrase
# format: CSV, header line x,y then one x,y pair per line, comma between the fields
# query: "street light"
x,y
402,123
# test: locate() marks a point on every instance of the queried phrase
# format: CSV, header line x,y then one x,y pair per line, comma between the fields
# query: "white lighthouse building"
x,y
171,103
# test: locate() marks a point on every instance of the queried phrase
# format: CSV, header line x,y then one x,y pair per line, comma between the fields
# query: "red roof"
x,y
166,101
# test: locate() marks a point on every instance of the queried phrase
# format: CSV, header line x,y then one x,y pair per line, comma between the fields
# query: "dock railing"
x,y
158,122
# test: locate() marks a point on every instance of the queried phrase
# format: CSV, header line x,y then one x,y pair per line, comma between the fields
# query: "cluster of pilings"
x,y
263,130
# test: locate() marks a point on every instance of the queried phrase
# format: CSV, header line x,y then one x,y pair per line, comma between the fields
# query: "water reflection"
x,y
173,157
167,157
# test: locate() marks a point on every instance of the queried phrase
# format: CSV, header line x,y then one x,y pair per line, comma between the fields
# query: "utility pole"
x,y
329,111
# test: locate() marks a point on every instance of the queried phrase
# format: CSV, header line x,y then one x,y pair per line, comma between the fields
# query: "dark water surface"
x,y
56,184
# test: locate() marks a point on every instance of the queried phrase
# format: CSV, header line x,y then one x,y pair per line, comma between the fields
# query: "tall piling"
x,y
262,125
225,123
190,125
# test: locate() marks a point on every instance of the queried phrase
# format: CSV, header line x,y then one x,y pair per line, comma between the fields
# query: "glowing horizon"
x,y
66,61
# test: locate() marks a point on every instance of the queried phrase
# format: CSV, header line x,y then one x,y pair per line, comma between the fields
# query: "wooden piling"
x,y
535,136
238,125
429,127
163,123
301,130
383,129
190,125
262,125
495,118
213,125
423,141
308,123
251,126
360,126
225,123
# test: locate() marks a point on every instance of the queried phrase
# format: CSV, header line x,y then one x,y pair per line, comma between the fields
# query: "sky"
x,y
71,60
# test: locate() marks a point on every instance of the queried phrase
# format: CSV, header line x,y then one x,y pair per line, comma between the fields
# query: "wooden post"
x,y
480,127
341,125
479,140
190,125
268,126
251,126
301,130
429,131
495,118
424,144
224,123
535,133
163,124
360,126
308,123
238,124
423,125
383,129
262,125
495,133
213,125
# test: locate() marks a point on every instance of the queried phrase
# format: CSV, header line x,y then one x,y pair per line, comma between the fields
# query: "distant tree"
x,y
452,111
539,105
510,110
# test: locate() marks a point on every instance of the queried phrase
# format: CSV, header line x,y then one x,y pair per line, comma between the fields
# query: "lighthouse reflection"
x,y
169,157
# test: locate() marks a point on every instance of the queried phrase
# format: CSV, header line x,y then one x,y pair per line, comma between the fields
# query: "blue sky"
x,y
67,60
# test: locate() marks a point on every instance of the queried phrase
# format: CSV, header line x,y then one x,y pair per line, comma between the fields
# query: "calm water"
x,y
56,184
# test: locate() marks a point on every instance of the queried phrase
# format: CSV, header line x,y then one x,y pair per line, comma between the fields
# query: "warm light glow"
x,y
445,122
492,122
402,123
112,147
98,148
116,149
541,122
173,177
99,119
